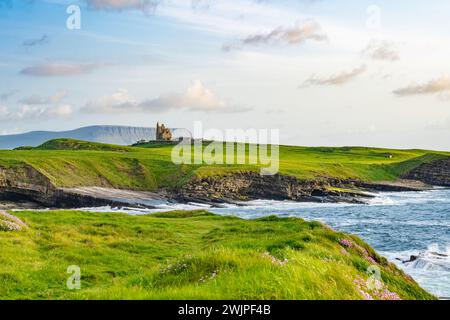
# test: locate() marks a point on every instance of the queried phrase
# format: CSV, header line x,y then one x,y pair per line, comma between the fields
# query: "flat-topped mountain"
x,y
121,135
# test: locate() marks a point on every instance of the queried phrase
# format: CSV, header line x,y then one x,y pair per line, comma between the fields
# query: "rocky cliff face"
x,y
435,173
23,182
251,185
26,179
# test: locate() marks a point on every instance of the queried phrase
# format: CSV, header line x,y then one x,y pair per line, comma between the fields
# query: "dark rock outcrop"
x,y
244,186
435,173
251,185
23,182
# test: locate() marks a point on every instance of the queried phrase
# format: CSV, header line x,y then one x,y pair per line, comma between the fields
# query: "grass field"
x,y
71,163
190,255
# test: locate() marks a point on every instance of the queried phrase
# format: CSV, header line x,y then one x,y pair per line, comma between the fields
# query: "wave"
x,y
430,267
412,197
165,207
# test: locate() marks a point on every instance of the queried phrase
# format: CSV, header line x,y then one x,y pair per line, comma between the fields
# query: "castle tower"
x,y
163,133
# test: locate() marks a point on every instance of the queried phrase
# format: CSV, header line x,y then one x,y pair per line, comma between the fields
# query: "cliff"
x,y
23,182
435,173
244,186
251,186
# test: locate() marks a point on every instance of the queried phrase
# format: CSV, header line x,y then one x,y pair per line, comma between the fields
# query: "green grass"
x,y
72,163
72,144
186,255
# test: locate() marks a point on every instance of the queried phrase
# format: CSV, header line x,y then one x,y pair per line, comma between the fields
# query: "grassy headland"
x,y
190,255
72,163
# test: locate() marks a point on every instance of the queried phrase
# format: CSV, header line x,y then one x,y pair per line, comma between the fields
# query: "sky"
x,y
323,72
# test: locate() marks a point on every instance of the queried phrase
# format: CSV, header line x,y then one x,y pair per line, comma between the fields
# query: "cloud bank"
x,y
27,112
36,107
196,98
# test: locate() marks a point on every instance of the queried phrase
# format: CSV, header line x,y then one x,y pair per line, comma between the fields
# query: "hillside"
x,y
68,162
72,144
190,255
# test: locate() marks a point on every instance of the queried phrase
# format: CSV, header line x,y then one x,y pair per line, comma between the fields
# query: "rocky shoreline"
x,y
247,186
27,185
217,191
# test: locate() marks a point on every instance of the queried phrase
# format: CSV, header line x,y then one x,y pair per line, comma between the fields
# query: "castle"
x,y
163,133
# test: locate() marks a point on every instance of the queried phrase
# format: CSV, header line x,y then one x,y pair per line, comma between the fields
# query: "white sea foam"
x,y
165,207
414,197
431,268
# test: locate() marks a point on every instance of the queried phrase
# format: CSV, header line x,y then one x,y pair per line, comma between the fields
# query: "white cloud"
x,y
336,79
118,102
438,85
298,34
381,50
196,98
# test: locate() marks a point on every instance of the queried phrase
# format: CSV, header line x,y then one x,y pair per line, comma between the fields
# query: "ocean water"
x,y
397,225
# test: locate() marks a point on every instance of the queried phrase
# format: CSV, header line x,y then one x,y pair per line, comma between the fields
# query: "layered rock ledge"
x,y
252,186
435,173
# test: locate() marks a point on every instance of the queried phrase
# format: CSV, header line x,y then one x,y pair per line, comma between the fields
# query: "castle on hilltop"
x,y
163,136
163,133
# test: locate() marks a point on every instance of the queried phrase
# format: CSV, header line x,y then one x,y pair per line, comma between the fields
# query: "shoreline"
x,y
85,197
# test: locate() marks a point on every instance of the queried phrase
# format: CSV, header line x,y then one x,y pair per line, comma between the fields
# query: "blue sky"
x,y
324,72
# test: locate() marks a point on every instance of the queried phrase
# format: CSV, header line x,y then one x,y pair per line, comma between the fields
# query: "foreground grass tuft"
x,y
190,255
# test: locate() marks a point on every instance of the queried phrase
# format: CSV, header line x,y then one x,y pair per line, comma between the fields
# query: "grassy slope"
x,y
185,255
72,144
70,163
